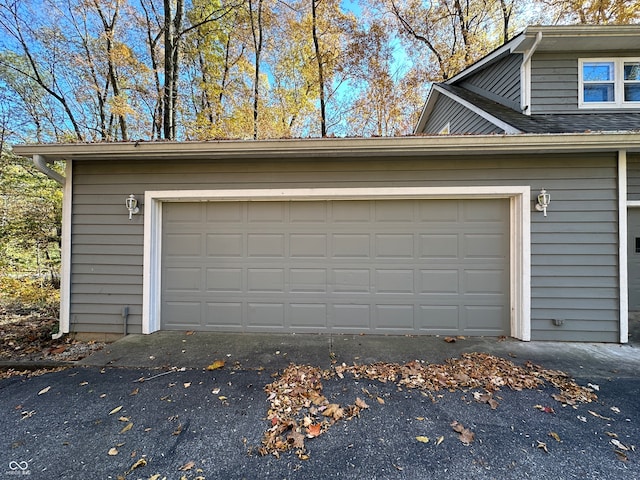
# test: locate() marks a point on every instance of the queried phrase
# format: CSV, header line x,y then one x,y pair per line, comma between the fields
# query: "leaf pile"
x,y
300,411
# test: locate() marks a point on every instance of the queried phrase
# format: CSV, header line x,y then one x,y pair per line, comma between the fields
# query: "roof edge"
x,y
338,147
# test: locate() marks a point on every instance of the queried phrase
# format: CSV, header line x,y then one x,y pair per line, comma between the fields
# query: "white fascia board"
x,y
508,47
520,257
426,110
508,129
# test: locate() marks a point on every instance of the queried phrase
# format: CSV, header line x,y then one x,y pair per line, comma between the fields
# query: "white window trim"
x,y
520,233
618,83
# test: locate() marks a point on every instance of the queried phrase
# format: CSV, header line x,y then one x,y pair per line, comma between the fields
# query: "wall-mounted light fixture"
x,y
544,199
132,205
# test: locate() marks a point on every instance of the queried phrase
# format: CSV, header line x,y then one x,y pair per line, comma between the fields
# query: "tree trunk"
x,y
316,45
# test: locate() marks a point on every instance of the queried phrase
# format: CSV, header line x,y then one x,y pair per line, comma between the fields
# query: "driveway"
x,y
148,408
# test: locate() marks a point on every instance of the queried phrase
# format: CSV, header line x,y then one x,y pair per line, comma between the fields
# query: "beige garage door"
x,y
390,266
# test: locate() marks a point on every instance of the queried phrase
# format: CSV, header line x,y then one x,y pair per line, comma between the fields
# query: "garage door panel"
x,y
308,245
395,281
484,245
265,212
399,246
184,244
265,245
484,319
308,280
183,279
351,245
351,281
225,245
484,282
439,282
225,280
224,213
265,280
308,316
384,266
182,315
395,317
439,246
226,315
439,318
351,317
265,315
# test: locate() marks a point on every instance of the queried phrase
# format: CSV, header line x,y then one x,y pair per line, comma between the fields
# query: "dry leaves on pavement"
x,y
299,411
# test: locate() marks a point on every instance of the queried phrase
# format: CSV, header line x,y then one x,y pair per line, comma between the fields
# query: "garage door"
x,y
389,266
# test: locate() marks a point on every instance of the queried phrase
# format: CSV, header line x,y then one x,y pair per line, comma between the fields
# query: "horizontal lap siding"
x,y
499,82
460,119
574,249
633,177
554,81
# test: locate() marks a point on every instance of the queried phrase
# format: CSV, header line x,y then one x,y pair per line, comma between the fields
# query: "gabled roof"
x,y
576,38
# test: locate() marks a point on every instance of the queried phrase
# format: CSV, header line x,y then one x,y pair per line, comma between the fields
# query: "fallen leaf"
x,y
113,451
127,427
187,384
295,439
555,436
542,446
44,390
582,418
466,435
611,434
597,415
420,419
187,466
544,409
134,391
380,400
422,439
123,419
314,430
440,440
140,463
215,391
594,386
216,365
620,445
82,384
621,456
361,403
450,339
615,409
155,477
115,410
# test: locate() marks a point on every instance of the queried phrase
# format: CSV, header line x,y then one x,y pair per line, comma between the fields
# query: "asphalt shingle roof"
x,y
550,123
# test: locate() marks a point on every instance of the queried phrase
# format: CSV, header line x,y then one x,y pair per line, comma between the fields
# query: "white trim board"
x,y
65,254
520,228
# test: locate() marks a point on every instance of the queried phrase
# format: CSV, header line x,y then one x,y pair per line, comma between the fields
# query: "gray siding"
x,y
633,177
574,249
499,82
554,82
461,120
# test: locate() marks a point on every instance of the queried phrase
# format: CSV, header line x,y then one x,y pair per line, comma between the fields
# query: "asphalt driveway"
x,y
180,420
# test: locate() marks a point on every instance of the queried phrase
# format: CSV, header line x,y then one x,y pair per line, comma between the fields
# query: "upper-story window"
x,y
607,83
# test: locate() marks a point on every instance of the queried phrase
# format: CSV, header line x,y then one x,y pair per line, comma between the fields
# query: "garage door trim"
x,y
519,226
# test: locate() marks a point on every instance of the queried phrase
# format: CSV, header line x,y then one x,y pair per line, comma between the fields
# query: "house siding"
x,y
499,82
461,120
574,259
633,177
554,82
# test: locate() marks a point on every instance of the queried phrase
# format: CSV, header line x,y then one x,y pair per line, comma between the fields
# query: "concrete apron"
x,y
274,352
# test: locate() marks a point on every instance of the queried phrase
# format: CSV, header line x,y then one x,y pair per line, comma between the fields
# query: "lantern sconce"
x,y
132,205
544,199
